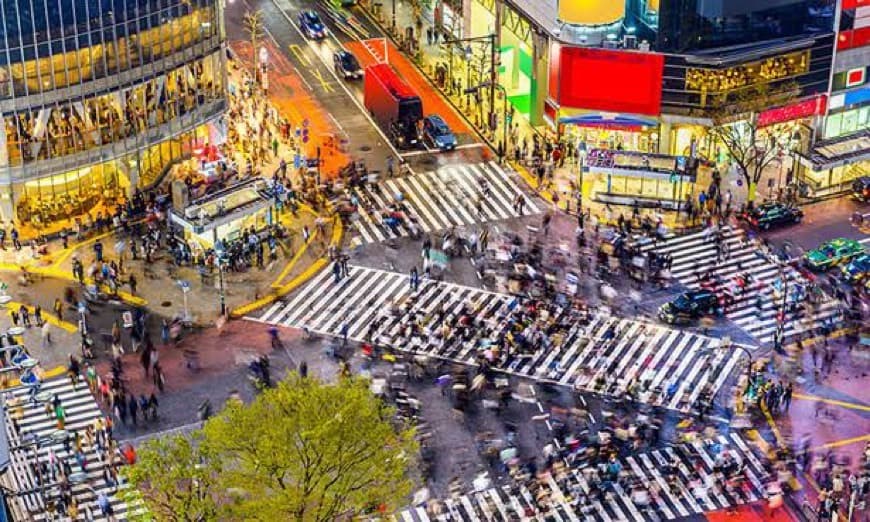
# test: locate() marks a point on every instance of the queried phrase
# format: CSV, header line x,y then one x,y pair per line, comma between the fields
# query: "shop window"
x,y
58,199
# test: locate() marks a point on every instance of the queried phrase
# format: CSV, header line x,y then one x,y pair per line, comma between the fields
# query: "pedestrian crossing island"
x,y
598,352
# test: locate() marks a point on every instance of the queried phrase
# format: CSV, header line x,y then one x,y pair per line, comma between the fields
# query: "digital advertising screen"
x,y
605,80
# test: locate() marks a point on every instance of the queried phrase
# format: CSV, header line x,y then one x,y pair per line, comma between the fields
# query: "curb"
x,y
304,277
48,317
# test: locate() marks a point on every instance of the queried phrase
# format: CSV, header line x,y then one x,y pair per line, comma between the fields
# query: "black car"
x,y
771,215
346,65
690,306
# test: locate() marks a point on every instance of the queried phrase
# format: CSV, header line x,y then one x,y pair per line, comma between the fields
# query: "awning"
x,y
609,121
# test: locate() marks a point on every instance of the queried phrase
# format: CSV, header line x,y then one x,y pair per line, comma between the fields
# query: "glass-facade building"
x,y
100,97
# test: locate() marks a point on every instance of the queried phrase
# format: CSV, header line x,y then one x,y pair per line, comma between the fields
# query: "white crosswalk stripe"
x,y
602,353
686,475
440,199
81,411
696,254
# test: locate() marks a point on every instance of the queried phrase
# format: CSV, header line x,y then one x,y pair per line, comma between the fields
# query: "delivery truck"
x,y
393,104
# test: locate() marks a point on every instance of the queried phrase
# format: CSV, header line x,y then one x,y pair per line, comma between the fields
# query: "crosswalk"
x,y
687,477
695,254
440,199
81,411
599,353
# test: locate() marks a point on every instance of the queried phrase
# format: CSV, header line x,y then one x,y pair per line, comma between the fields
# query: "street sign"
x,y
185,285
127,319
81,307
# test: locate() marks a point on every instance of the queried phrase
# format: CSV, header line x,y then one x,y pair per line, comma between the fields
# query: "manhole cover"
x,y
166,304
365,148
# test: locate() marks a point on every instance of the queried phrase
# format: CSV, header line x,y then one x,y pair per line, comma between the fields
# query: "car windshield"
x,y
682,302
312,18
348,61
438,128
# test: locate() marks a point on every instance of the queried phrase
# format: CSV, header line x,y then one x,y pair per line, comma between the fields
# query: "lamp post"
x,y
726,345
221,287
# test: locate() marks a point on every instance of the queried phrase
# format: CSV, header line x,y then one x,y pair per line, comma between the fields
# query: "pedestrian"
x,y
132,408
336,271
98,251
786,399
415,279
46,334
37,315
25,315
132,282
15,242
306,234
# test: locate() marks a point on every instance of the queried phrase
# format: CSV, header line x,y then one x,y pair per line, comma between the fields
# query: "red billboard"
x,y
801,109
605,80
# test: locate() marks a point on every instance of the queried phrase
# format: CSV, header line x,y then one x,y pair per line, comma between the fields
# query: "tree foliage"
x,y
304,451
174,479
735,119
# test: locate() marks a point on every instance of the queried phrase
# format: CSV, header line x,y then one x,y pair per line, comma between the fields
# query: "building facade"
x,y
100,97
649,75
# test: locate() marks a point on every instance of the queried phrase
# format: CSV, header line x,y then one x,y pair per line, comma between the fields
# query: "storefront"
x,y
619,110
849,113
831,165
634,179
592,130
225,215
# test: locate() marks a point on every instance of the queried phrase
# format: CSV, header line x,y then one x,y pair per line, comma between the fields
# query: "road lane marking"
x,y
843,442
299,54
844,404
317,73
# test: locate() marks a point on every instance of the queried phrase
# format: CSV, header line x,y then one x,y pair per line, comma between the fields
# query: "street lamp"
x,y
726,344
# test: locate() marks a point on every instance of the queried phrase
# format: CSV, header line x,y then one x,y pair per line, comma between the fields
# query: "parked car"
x,y
346,65
690,306
857,270
832,253
311,25
861,189
771,215
436,132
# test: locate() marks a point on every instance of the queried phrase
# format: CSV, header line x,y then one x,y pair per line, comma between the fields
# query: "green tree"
x,y
304,451
735,125
173,479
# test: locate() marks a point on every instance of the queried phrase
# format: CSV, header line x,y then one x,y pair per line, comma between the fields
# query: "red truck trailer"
x,y
393,104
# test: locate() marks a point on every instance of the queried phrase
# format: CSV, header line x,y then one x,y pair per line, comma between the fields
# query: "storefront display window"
x,y
62,197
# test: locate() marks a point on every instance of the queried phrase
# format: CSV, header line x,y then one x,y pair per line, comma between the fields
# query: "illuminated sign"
x,y
605,80
795,111
591,12
856,77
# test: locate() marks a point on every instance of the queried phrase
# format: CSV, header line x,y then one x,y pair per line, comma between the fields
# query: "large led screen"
x,y
611,81
591,12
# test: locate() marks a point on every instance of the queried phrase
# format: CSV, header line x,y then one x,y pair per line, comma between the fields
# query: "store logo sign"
x,y
855,77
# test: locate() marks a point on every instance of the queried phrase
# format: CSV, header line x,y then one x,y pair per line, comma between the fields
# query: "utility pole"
x,y
493,42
